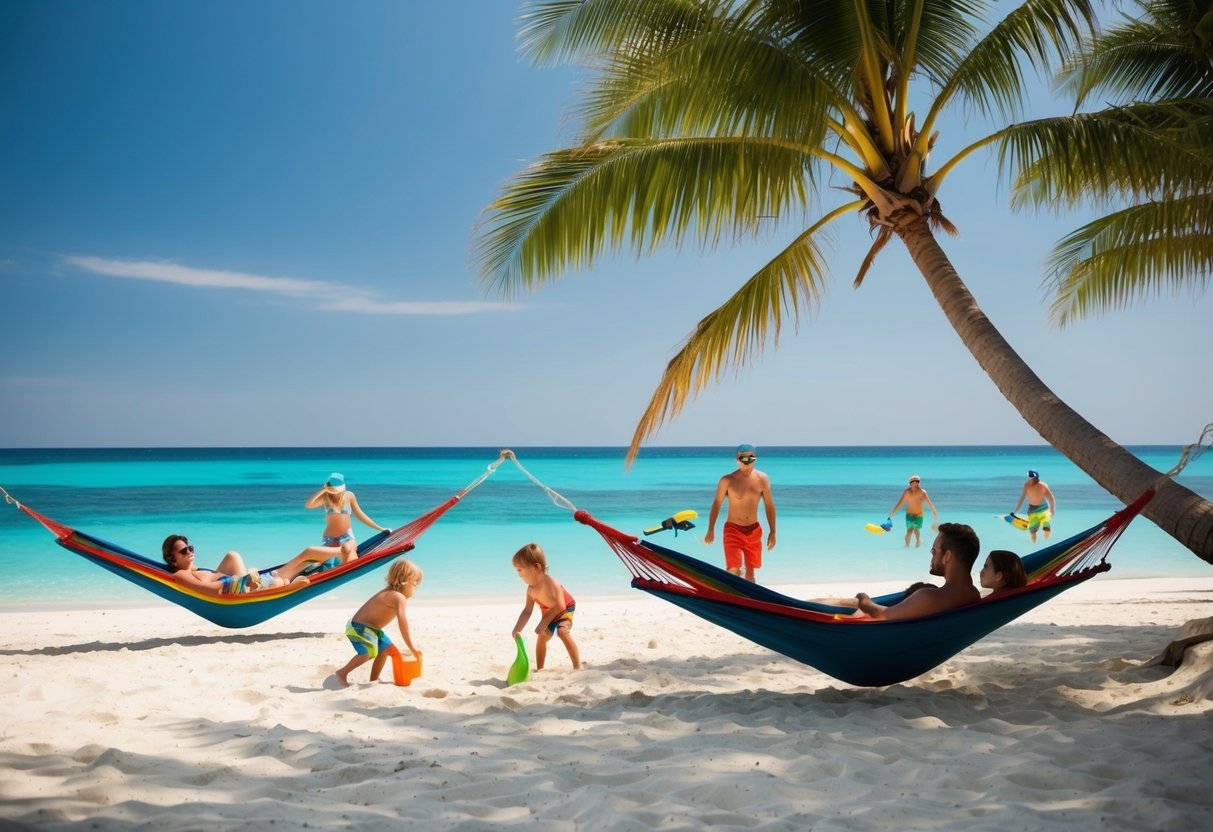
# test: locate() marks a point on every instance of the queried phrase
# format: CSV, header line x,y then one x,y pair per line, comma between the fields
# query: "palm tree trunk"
x,y
1177,510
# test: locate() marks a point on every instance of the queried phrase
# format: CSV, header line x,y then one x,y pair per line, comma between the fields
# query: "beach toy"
x,y
403,672
679,522
1016,521
886,526
520,670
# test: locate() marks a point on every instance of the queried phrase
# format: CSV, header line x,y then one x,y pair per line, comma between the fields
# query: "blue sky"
x,y
236,223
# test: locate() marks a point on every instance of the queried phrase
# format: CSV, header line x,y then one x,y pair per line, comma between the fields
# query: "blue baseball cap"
x,y
1033,474
745,449
336,482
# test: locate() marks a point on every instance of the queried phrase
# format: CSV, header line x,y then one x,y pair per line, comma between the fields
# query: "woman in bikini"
x,y
338,544
230,577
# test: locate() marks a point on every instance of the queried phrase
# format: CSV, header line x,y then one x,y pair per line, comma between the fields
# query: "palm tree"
x,y
705,116
1154,151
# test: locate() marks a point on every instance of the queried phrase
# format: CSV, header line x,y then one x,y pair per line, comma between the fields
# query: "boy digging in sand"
x,y
366,629
554,601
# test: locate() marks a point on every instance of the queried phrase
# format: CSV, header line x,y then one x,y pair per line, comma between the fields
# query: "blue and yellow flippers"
x,y
680,522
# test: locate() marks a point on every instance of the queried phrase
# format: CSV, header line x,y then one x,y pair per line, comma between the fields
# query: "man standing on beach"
x,y
913,496
952,557
1041,505
743,489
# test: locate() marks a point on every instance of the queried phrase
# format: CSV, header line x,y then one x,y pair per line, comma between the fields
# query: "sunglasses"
x,y
746,460
186,549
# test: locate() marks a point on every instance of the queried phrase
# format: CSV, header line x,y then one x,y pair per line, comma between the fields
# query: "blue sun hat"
x,y
1033,474
745,448
335,482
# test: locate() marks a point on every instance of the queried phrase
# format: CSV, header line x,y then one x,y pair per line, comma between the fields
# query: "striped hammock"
x,y
859,651
251,608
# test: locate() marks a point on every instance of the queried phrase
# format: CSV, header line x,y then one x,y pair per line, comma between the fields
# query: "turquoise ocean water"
x,y
251,499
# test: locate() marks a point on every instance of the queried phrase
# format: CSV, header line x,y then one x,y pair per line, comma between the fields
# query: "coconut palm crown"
x,y
705,116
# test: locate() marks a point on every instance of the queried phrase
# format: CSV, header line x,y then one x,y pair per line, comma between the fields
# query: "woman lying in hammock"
x,y
230,577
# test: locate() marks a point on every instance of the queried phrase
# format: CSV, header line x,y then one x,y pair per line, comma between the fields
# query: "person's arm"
x,y
900,500
927,497
923,602
722,489
769,501
316,499
402,622
525,615
1052,500
208,583
1022,496
361,515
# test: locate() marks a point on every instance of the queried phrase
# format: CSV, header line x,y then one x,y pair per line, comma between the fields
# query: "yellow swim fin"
x,y
679,522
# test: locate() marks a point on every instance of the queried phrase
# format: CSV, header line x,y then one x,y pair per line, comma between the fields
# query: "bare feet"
x,y
301,580
341,679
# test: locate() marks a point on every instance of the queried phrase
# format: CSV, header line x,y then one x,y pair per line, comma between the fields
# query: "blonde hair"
x,y
402,572
531,555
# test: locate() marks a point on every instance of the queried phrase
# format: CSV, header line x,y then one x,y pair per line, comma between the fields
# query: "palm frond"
x,y
1140,60
567,209
991,77
945,34
1143,150
883,235
823,33
737,331
717,83
1137,252
565,31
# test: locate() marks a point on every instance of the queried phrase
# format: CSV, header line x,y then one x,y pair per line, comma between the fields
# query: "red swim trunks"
x,y
742,541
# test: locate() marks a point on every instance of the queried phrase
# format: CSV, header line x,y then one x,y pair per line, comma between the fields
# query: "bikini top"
x,y
345,507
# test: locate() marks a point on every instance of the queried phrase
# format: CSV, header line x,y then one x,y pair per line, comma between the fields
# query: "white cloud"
x,y
200,278
349,299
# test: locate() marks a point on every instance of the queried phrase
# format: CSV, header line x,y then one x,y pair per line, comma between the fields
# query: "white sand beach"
x,y
152,718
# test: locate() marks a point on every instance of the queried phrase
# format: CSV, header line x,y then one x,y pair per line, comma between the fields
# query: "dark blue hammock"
x,y
859,651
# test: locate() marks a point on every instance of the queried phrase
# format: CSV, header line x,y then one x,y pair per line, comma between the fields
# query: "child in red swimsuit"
x,y
555,603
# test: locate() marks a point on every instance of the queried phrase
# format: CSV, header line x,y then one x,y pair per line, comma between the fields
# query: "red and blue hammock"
x,y
246,609
860,651
251,608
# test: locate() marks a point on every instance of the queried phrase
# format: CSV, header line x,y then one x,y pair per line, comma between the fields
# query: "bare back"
x,y
381,608
548,593
930,600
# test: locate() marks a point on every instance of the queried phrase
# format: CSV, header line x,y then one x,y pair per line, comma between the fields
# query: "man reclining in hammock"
x,y
952,557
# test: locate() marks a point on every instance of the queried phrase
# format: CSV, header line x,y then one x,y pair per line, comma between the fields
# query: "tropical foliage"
x,y
705,116
1150,157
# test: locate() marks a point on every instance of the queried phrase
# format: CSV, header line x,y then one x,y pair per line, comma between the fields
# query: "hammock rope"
x,y
557,499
